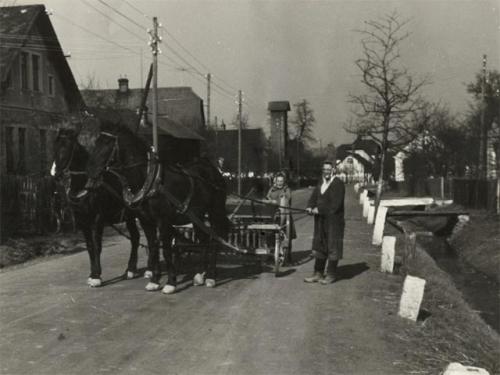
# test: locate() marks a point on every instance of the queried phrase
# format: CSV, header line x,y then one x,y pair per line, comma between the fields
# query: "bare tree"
x,y
304,122
391,93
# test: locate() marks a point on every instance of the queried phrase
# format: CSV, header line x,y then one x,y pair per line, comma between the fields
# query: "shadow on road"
x,y
349,271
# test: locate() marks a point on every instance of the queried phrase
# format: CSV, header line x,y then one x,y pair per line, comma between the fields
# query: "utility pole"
x,y
239,141
209,78
483,133
216,140
155,50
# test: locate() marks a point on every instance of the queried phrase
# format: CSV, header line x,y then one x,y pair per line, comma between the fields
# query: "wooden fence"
x,y
476,193
29,205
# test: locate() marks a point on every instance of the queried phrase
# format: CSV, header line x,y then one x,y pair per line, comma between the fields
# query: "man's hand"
x,y
315,211
309,210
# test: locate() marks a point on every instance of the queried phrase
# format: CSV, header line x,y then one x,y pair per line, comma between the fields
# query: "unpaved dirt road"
x,y
251,323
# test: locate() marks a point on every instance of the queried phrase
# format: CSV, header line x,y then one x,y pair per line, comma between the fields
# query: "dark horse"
x,y
177,196
93,211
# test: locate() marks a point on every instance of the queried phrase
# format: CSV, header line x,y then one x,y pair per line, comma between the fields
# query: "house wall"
x,y
31,112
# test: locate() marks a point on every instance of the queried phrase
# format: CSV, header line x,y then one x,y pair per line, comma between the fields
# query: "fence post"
x,y
410,247
442,187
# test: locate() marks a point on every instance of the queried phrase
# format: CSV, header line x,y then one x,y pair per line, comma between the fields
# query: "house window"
x,y
35,65
21,166
24,70
51,86
9,148
349,160
43,150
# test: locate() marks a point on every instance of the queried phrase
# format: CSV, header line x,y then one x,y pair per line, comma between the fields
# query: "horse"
x,y
93,211
176,196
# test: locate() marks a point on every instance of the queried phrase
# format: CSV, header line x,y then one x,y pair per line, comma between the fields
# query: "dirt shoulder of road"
x,y
478,242
23,251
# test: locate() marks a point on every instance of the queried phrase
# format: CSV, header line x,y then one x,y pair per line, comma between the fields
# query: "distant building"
x,y
356,161
38,93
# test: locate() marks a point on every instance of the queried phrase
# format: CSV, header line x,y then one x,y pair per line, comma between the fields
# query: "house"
x,y
181,121
179,104
38,93
253,150
177,144
356,161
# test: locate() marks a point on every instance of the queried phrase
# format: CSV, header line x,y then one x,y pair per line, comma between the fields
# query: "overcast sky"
x,y
276,50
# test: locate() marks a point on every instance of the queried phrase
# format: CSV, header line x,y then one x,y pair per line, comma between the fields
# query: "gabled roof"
x,y
278,106
181,104
17,32
130,118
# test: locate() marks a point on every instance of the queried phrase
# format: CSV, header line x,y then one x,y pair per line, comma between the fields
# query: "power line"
x,y
137,9
123,15
113,21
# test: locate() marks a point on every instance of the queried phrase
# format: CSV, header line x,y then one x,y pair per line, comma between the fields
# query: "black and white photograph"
x,y
250,187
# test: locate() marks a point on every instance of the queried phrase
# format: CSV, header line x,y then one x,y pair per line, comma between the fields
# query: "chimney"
x,y
123,85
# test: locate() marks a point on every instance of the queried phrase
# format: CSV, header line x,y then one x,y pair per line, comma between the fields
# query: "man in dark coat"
x,y
327,206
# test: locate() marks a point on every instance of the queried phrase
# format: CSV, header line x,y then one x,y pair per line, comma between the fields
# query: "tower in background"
x,y
279,131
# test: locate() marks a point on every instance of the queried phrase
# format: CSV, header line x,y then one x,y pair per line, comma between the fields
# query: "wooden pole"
x,y
483,133
239,142
155,83
209,78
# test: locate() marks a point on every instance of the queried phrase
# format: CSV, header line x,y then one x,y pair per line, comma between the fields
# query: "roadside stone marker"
x,y
378,230
356,187
388,254
371,214
413,293
366,206
363,196
456,368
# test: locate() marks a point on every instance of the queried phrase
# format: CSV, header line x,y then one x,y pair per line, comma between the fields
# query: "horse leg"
x,y
134,242
199,278
153,259
168,255
90,233
151,238
211,266
87,233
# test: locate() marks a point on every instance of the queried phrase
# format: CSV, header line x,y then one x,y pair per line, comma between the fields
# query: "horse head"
x,y
64,150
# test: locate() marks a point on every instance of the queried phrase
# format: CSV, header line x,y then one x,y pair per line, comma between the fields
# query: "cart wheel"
x,y
277,254
277,261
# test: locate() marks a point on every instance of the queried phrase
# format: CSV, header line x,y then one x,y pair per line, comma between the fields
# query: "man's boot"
x,y
319,267
331,273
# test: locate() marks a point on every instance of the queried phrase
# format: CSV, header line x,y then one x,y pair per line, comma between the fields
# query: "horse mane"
x,y
131,139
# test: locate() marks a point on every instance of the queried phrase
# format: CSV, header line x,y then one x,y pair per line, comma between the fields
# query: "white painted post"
x,y
378,230
363,196
371,214
413,293
366,206
388,254
456,368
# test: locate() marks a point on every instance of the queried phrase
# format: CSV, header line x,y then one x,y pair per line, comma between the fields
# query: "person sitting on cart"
x,y
281,195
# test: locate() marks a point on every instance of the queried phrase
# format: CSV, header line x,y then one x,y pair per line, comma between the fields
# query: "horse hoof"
x,y
209,283
199,279
152,287
148,274
131,275
168,289
94,283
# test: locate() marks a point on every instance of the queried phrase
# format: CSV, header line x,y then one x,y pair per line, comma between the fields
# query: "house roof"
x,y
130,118
278,106
180,104
17,25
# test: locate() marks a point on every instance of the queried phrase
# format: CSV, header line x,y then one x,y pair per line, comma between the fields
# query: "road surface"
x,y
251,323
